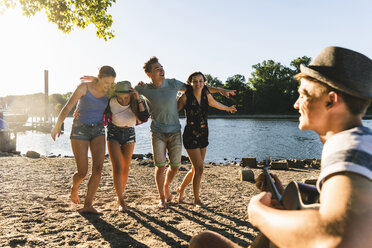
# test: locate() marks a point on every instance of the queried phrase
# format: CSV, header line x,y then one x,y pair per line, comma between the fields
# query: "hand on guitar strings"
x,y
262,185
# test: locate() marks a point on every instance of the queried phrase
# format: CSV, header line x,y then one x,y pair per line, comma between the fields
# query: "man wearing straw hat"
x,y
334,94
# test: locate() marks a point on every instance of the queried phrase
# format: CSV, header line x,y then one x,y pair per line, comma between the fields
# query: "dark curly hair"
x,y
148,64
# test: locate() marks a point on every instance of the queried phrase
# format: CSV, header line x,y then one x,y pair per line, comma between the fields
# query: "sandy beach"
x,y
35,209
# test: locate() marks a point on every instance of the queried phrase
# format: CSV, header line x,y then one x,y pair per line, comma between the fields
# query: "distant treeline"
x,y
271,89
33,104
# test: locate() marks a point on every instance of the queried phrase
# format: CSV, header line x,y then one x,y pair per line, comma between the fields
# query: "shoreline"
x,y
147,158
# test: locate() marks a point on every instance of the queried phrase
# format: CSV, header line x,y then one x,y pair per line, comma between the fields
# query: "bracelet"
x,y
140,102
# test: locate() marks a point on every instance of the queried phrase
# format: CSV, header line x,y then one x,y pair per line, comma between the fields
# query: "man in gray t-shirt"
x,y
161,99
162,103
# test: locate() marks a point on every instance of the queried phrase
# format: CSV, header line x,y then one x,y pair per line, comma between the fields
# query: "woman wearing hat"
x,y
88,132
124,110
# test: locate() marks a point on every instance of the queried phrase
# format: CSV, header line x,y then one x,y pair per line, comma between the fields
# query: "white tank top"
x,y
122,115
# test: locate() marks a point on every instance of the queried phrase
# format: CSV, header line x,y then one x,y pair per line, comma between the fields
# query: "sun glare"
x,y
20,50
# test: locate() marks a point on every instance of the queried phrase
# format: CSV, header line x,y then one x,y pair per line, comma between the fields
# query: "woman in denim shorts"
x,y
124,110
196,101
88,132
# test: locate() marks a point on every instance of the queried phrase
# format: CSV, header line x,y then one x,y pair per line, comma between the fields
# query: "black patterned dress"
x,y
195,134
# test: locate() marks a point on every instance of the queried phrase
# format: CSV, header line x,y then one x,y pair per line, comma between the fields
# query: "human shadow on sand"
x,y
221,229
146,221
111,234
237,221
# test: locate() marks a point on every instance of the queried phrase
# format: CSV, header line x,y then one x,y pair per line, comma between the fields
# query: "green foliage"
x,y
213,81
67,14
56,98
57,108
274,86
67,96
268,82
271,89
242,98
297,62
236,82
57,101
34,104
243,93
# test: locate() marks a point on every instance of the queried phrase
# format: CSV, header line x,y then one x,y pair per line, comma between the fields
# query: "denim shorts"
x,y
82,131
163,142
123,136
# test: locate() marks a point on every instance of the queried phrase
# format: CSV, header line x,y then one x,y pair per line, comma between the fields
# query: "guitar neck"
x,y
274,190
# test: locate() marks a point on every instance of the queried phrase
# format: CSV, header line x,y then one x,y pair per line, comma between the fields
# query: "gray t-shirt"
x,y
162,104
349,150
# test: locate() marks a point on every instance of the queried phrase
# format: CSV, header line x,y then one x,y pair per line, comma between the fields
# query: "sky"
x,y
221,38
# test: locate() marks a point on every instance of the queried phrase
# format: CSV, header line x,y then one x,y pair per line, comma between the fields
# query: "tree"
x,y
56,98
67,96
213,81
243,94
274,86
269,82
236,82
297,62
56,103
69,13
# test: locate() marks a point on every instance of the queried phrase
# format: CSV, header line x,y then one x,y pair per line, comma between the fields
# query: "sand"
x,y
35,210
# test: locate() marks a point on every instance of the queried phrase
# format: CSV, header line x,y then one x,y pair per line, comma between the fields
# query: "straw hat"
x,y
342,69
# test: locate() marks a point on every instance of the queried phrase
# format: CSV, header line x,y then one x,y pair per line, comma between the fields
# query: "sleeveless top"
x,y
196,114
122,115
91,108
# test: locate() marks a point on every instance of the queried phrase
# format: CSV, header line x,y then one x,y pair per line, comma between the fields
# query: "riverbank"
x,y
35,209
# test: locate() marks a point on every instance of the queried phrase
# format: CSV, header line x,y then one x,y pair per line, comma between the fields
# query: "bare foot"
x,y
180,197
168,195
74,196
162,205
90,210
122,206
199,204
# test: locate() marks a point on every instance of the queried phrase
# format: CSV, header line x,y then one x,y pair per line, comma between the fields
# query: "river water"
x,y
229,140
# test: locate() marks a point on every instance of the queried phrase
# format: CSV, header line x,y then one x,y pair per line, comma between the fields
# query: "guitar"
x,y
296,196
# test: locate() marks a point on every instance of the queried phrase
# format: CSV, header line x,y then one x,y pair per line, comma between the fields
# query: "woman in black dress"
x,y
196,100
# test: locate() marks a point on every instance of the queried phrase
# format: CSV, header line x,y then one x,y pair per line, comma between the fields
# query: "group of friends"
x,y
101,101
334,93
